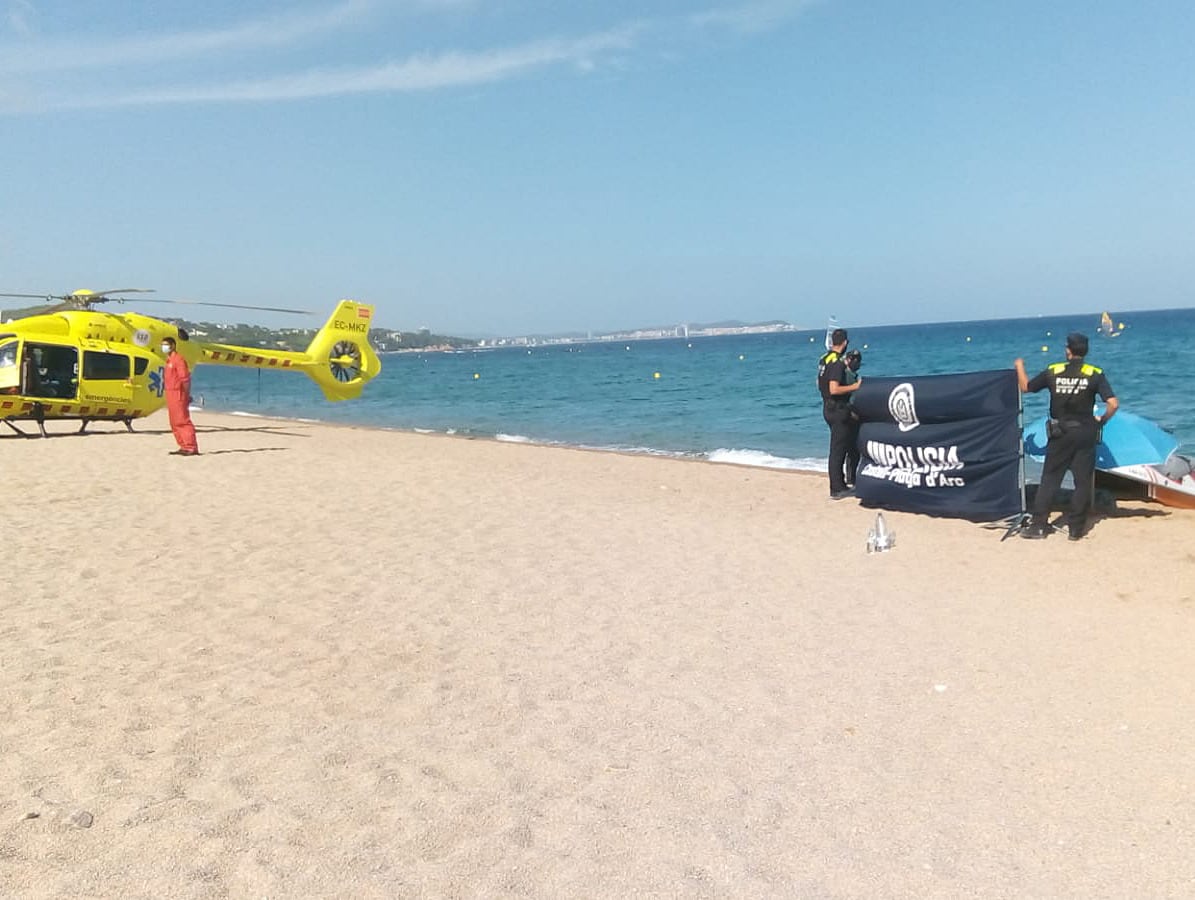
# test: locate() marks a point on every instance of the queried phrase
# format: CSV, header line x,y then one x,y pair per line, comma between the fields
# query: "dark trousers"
x,y
844,433
1074,450
852,457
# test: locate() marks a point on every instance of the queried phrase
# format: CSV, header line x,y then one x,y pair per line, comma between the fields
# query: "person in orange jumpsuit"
x,y
178,400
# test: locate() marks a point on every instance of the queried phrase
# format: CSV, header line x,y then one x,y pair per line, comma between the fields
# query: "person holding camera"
x,y
1073,431
836,390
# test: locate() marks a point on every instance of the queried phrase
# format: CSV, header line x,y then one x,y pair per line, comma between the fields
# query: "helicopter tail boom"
x,y
339,358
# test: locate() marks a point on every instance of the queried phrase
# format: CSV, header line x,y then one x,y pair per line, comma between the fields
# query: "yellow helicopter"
x,y
72,361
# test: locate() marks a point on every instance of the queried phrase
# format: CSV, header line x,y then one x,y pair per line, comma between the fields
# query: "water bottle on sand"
x,y
879,538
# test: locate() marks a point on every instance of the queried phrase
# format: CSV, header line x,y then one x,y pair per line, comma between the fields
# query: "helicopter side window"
x,y
49,371
105,366
140,364
10,375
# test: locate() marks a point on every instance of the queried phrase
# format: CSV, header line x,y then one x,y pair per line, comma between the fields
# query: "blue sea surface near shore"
x,y
748,399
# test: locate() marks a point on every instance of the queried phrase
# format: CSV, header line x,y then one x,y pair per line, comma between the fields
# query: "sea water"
x,y
750,399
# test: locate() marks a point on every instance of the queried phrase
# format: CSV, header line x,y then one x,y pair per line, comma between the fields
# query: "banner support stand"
x,y
1018,522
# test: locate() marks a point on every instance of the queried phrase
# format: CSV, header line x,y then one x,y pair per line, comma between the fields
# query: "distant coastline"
x,y
649,334
680,332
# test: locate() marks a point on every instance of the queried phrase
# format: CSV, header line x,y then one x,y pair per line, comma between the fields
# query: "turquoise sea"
x,y
743,398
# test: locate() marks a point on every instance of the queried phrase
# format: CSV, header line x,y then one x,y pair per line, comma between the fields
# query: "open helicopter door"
x,y
49,371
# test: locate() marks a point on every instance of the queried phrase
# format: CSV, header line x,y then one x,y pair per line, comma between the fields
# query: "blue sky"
x,y
520,165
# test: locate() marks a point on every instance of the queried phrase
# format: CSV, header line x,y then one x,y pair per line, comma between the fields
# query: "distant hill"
x,y
383,339
6,314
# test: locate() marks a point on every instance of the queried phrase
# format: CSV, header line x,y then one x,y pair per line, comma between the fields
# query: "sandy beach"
x,y
334,662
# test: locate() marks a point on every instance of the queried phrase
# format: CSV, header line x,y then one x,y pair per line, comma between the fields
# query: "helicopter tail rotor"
x,y
342,358
345,361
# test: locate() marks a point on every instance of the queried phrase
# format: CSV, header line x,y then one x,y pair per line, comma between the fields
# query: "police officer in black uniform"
x,y
1073,432
836,389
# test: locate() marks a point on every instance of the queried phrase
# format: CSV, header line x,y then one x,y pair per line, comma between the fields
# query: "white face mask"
x,y
166,348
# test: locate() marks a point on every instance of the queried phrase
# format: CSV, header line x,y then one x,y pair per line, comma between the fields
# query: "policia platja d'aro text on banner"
x,y
946,445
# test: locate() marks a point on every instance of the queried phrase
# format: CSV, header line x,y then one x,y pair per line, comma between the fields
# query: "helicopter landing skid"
x,y
83,423
41,427
128,424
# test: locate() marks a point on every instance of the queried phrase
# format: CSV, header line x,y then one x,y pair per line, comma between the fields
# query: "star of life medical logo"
x,y
902,405
157,381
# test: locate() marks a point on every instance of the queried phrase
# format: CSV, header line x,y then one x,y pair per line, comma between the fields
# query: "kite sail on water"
x,y
1107,328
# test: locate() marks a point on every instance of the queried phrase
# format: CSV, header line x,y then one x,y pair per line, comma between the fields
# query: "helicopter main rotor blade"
x,y
117,291
88,297
83,296
301,312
